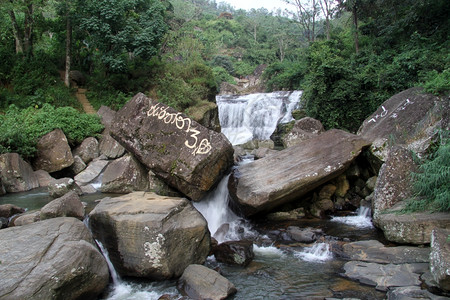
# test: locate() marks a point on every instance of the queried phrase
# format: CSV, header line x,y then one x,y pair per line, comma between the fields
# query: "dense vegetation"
x,y
348,56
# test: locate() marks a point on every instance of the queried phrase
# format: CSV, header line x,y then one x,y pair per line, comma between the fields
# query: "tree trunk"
x,y
16,32
355,22
28,30
68,50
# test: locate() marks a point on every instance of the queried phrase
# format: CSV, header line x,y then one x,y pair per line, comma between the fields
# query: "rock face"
x,y
200,282
440,258
124,175
16,175
409,118
291,173
53,152
88,150
110,147
303,129
186,155
68,205
51,259
151,236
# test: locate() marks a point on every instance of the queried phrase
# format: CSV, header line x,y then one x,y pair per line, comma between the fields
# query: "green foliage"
x,y
21,129
437,83
285,75
432,182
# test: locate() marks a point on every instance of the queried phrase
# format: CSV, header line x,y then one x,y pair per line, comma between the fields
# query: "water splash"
x,y
362,219
319,252
255,116
112,271
268,251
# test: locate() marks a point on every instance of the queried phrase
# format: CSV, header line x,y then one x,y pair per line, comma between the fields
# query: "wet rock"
x,y
375,252
110,147
68,205
9,210
411,292
124,175
304,235
88,150
238,253
303,130
200,282
293,172
150,236
440,257
53,152
44,178
51,259
409,118
16,174
60,187
93,170
385,276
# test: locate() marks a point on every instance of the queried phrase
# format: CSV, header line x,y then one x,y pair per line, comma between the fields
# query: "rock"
x,y
124,175
110,147
51,259
291,173
3,222
384,276
238,253
26,218
78,165
9,210
151,236
106,115
303,129
200,282
62,186
440,257
291,215
88,150
206,114
371,183
93,170
159,187
44,178
2,188
68,205
342,186
88,189
303,235
53,152
411,292
77,77
16,174
263,152
410,118
375,252
394,180
186,155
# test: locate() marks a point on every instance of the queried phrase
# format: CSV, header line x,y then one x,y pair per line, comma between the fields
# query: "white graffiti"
x,y
182,123
382,115
394,114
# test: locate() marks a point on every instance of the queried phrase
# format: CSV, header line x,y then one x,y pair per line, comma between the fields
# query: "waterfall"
x,y
112,271
318,252
255,116
362,219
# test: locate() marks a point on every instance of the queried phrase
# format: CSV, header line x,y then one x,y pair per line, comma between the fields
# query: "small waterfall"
x,y
255,116
317,253
112,271
362,219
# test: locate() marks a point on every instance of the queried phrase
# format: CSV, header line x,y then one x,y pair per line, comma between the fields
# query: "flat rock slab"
x,y
376,252
186,155
385,276
291,173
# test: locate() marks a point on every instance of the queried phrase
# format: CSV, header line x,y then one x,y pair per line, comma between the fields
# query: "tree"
x,y
306,13
327,10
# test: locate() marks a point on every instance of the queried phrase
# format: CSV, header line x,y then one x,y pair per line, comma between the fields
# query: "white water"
x,y
319,252
362,219
255,116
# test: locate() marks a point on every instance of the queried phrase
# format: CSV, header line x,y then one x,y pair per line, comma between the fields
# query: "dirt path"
x,y
87,107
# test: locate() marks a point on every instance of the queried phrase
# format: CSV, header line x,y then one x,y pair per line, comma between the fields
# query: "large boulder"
x,y
124,175
62,186
44,178
51,259
151,236
92,172
53,152
68,205
238,253
16,174
200,282
440,257
277,179
185,154
303,129
110,147
87,150
410,118
9,210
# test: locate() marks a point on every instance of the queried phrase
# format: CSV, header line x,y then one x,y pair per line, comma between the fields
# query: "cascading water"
x,y
255,116
362,218
319,252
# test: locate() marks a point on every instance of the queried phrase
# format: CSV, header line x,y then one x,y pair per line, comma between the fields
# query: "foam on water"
x,y
362,219
267,251
319,252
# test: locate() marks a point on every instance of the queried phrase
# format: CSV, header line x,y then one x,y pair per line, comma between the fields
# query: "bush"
x,y
437,83
20,130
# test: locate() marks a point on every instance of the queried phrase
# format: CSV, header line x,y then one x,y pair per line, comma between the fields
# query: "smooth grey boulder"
x,y
186,155
411,118
93,170
26,218
200,282
124,175
110,147
106,115
150,236
291,173
16,174
376,252
44,178
51,259
68,205
87,150
53,152
303,129
78,165
62,186
383,276
440,257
